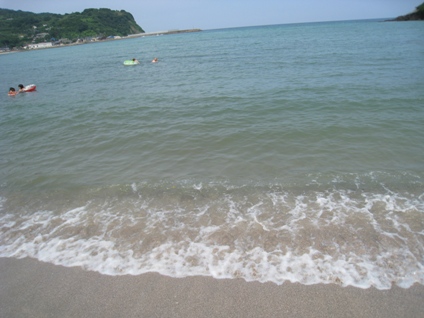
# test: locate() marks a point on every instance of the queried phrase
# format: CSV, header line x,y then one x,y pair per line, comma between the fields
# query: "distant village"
x,y
66,42
56,43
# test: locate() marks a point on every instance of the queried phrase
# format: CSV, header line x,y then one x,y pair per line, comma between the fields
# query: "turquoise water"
x,y
274,153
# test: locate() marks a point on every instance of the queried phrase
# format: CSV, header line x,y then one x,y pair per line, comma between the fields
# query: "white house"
x,y
39,45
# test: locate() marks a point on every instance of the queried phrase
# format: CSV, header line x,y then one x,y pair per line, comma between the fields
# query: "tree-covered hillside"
x,y
418,14
18,28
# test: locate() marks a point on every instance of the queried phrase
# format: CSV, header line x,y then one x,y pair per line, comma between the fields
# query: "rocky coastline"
x,y
417,15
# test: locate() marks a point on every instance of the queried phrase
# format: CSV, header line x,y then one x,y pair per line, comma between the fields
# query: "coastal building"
x,y
42,45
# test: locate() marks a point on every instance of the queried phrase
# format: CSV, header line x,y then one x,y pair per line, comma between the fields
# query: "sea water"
x,y
274,153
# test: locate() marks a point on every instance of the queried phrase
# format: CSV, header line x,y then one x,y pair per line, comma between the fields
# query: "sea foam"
x,y
345,237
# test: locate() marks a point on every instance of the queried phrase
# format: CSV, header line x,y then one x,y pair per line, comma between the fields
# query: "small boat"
x,y
29,88
131,62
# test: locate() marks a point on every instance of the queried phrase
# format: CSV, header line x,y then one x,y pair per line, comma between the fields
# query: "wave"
x,y
344,231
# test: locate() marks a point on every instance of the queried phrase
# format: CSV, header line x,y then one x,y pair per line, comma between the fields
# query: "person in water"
x,y
155,60
21,88
12,91
135,61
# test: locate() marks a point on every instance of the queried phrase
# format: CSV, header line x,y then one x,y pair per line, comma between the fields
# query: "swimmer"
x,y
12,92
155,60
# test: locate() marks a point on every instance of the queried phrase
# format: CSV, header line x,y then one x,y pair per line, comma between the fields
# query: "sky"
x,y
164,15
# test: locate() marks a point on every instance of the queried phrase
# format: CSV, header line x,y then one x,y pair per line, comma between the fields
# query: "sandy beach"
x,y
29,288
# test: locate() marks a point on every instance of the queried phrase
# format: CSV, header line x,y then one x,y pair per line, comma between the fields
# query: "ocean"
x,y
282,153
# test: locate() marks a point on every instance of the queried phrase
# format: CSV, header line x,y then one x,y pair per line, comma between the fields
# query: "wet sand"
x,y
29,288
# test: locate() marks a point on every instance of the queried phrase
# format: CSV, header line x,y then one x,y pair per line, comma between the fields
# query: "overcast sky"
x,y
162,15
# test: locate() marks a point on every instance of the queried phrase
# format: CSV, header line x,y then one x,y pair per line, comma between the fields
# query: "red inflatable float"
x,y
29,88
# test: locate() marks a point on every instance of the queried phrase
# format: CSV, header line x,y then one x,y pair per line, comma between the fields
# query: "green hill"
x,y
418,14
18,28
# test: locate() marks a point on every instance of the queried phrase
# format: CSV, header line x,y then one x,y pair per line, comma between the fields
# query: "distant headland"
x,y
418,14
21,30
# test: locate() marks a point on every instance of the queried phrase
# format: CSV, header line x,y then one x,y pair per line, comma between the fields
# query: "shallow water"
x,y
277,153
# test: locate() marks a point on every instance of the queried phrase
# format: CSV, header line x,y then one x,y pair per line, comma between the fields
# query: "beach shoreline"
x,y
130,36
30,288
